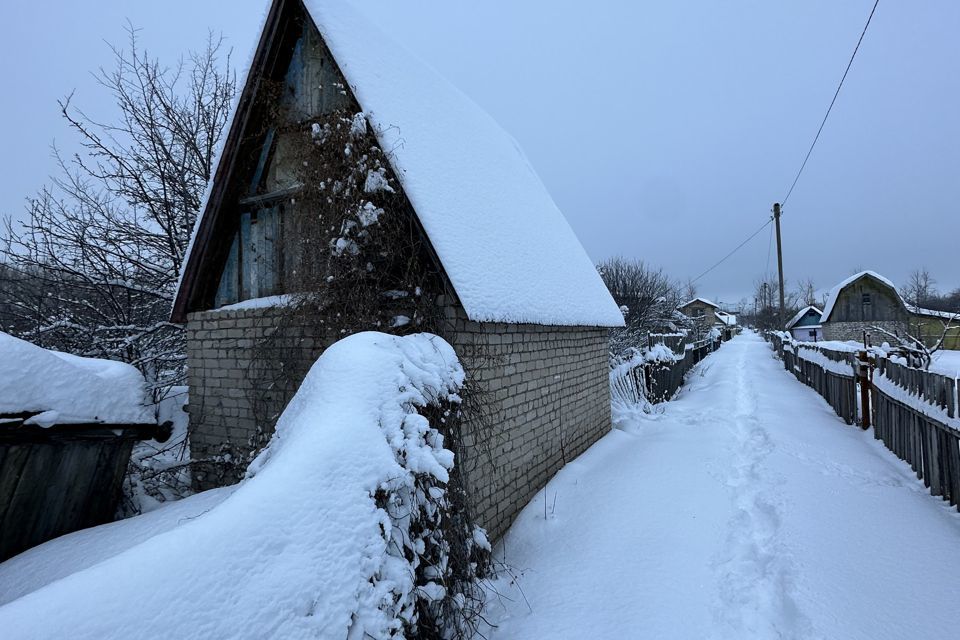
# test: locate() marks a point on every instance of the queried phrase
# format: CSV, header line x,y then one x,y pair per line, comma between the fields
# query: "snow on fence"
x,y
935,388
656,373
914,412
828,372
915,415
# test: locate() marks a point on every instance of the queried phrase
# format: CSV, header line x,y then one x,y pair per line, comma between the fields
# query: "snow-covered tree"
x,y
647,297
92,267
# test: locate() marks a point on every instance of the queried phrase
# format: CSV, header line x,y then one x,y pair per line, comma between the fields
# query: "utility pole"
x,y
776,220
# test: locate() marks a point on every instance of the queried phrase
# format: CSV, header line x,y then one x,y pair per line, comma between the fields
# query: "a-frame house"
x,y
520,300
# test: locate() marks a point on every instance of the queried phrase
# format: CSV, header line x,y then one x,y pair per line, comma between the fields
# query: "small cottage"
x,y
805,325
700,309
67,428
868,302
707,315
355,178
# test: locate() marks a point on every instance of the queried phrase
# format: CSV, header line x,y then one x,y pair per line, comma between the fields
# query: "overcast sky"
x,y
664,130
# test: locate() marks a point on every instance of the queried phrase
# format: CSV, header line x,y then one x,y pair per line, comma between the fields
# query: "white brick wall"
x,y
547,391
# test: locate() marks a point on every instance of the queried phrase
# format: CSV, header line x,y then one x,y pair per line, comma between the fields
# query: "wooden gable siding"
x,y
809,318
867,300
250,150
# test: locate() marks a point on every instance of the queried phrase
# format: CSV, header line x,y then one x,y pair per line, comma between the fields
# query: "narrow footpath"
x,y
744,509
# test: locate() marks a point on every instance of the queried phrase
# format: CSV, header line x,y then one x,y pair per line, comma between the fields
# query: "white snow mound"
x,y
291,552
67,388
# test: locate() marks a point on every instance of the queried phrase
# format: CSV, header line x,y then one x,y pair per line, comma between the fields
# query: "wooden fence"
x,y
54,480
835,383
635,381
913,411
931,448
937,389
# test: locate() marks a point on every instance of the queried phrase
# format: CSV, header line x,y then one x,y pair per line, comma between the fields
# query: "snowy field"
x,y
746,509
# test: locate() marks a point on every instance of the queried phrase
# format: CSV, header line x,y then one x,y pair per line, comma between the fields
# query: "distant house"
x,y
707,315
805,325
514,283
727,323
702,310
867,302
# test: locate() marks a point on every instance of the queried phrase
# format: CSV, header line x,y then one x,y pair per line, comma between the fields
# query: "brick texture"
x,y
544,389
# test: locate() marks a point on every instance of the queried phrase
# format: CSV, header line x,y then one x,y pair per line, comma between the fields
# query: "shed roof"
x,y
49,387
727,319
506,248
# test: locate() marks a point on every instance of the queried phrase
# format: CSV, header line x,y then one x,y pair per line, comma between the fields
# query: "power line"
x,y
737,248
836,93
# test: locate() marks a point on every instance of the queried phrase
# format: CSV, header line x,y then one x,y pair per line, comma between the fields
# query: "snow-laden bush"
x,y
347,526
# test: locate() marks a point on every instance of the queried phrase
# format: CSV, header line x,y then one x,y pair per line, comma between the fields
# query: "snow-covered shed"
x,y
67,428
805,325
516,294
727,324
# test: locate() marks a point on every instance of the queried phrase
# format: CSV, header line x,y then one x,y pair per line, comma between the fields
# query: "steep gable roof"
x,y
703,300
506,248
801,314
835,292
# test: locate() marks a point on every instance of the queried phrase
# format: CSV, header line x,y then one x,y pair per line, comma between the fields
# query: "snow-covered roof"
x,y
67,389
703,300
507,249
727,319
835,292
802,313
946,315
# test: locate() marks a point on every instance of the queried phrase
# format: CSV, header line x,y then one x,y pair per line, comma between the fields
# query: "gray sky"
x,y
665,131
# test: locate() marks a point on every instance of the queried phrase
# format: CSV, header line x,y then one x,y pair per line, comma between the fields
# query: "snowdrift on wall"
x,y
298,549
67,388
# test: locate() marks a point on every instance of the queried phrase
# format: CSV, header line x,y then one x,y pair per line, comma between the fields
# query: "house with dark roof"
x,y
353,176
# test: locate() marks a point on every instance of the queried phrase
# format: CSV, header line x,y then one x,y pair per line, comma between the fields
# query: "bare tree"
x,y
647,297
689,290
913,348
98,256
766,296
807,293
920,288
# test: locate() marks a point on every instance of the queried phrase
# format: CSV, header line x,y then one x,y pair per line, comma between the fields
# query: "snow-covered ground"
x,y
300,549
746,509
947,363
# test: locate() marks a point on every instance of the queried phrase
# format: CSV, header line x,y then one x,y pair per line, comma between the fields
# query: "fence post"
x,y
863,376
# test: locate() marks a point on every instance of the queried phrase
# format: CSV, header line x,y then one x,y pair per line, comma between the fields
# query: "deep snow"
x,y
745,509
67,388
295,551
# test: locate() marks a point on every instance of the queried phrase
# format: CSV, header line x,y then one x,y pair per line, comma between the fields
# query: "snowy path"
x,y
746,510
